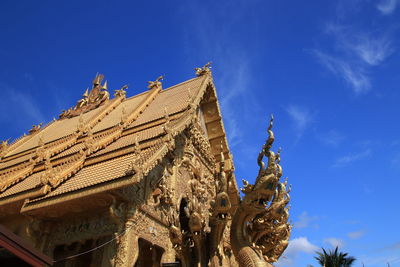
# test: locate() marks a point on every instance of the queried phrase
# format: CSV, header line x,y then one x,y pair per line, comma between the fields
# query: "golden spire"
x,y
86,94
98,79
206,69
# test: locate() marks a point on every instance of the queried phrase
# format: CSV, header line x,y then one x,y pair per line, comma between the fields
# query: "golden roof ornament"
x,y
206,69
98,79
35,128
121,92
90,100
3,147
155,84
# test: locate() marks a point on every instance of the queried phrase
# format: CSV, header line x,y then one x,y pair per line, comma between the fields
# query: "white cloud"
x,y
356,53
354,75
386,7
373,51
20,103
379,260
232,85
301,117
305,220
334,242
208,39
332,138
356,234
395,246
345,160
296,246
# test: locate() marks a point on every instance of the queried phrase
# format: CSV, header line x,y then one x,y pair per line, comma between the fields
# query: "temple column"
x,y
128,243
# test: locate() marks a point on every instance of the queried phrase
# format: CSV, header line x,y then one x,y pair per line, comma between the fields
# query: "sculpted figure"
x,y
260,233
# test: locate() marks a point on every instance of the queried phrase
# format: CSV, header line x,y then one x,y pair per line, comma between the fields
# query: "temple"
x,y
142,181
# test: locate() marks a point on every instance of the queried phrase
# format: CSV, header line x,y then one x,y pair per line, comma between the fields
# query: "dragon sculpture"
x,y
260,231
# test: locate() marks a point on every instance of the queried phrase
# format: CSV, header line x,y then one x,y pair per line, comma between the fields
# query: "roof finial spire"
x,y
206,69
156,83
98,79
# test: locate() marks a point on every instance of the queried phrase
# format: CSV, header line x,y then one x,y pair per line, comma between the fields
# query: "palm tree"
x,y
334,259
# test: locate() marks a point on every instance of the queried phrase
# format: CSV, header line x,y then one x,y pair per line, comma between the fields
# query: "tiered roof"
x,y
91,147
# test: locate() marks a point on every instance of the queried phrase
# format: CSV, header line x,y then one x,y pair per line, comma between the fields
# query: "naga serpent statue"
x,y
260,231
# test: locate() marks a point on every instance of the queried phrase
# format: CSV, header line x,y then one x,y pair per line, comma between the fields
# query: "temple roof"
x,y
92,146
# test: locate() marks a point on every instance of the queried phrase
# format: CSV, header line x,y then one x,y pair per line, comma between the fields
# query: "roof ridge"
x,y
92,145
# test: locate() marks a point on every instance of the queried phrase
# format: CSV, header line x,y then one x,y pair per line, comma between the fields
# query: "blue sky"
x,y
327,70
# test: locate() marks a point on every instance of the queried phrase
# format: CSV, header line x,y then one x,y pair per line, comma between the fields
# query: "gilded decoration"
x,y
155,84
206,69
133,178
90,100
260,231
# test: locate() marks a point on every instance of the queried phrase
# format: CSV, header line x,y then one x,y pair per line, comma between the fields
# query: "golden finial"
x,y
206,69
271,122
105,87
98,79
86,94
121,92
156,83
35,128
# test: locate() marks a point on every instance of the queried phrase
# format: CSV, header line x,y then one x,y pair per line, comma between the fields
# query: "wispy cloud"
x,y
296,247
332,138
379,260
355,76
386,7
354,53
345,160
370,48
394,246
356,234
232,88
21,103
373,50
305,220
334,242
207,40
301,117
